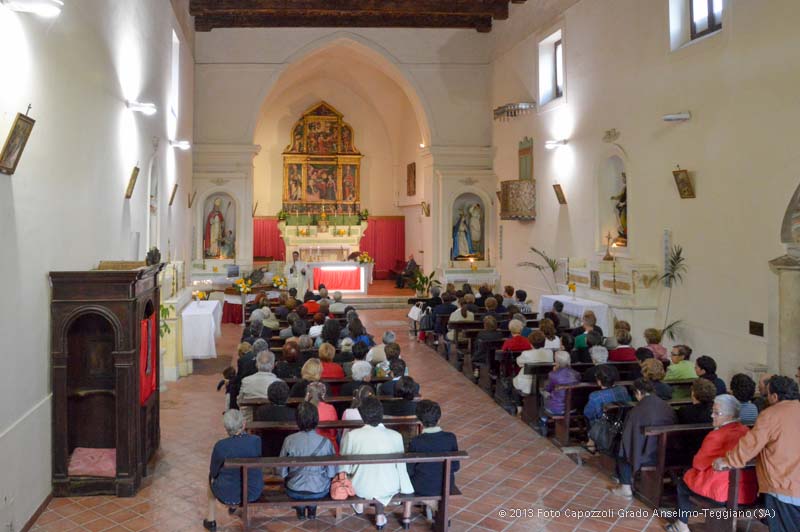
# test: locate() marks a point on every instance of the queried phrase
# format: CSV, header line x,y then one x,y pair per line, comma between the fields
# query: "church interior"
x,y
545,228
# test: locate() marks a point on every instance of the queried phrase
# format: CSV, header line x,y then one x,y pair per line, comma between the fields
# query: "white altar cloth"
x,y
575,307
202,324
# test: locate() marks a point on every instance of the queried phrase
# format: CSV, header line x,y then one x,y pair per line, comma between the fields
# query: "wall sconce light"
x,y
422,145
42,8
139,107
180,144
426,208
683,116
553,144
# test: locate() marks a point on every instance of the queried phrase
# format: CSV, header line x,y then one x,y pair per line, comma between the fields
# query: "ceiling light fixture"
x,y
42,8
180,144
553,144
144,108
684,116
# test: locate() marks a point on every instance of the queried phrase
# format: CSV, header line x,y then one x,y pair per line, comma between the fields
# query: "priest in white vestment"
x,y
296,273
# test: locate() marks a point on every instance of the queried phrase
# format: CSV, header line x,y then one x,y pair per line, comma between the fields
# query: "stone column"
x,y
787,268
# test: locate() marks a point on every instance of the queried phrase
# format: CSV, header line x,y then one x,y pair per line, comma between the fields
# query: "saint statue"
x,y
475,225
215,230
462,239
621,207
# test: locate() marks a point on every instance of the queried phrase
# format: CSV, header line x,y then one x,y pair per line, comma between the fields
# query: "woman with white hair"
x,y
270,321
702,480
517,342
361,371
225,485
561,375
376,355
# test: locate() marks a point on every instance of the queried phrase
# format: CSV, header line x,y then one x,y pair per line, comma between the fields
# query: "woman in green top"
x,y
681,368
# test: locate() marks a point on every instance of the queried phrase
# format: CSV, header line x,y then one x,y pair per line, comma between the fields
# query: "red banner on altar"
x,y
338,279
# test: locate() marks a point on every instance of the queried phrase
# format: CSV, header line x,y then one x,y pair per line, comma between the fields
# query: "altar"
x,y
345,277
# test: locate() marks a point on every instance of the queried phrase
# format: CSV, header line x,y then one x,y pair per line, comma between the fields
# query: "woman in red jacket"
x,y
701,479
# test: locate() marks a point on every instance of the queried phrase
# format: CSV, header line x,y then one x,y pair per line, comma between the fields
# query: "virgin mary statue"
x,y
462,238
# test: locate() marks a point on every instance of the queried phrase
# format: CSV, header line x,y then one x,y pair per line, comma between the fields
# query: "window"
x,y
558,68
706,17
174,89
551,68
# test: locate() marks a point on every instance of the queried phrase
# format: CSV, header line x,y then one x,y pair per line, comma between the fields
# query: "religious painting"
x,y
350,183
297,138
411,179
15,143
684,184
347,140
321,182
219,227
294,182
526,159
594,276
323,137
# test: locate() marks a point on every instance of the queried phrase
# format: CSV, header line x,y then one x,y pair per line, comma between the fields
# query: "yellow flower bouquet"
x,y
243,285
279,282
364,258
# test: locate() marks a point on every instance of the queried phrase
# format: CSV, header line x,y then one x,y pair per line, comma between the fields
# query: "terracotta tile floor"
x,y
510,468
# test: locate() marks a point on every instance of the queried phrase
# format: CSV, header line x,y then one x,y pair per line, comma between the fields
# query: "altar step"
x,y
365,303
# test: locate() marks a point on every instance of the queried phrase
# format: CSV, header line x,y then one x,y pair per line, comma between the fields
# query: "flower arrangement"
x,y
199,295
279,281
282,215
302,231
243,285
341,232
572,288
364,258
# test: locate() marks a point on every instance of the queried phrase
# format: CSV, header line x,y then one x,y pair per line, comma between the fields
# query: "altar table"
x,y
346,277
575,307
232,307
202,324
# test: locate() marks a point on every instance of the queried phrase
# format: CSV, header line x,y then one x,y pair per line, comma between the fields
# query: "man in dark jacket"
x,y
636,449
445,309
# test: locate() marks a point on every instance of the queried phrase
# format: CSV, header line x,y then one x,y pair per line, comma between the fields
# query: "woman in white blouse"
x,y
551,339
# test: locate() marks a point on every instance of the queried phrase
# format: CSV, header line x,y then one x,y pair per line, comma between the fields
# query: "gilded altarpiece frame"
x,y
321,165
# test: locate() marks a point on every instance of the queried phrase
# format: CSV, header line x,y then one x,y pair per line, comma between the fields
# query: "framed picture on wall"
x,y
684,184
15,143
411,179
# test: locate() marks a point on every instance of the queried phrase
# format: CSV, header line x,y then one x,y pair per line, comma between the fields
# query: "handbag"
x,y
415,313
426,323
605,431
341,487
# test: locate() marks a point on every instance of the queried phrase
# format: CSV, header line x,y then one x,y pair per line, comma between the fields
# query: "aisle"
x,y
510,467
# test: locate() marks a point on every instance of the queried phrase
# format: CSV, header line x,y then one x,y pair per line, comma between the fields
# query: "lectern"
x,y
105,376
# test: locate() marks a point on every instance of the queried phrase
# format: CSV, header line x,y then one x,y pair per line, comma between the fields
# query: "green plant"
x,y
282,215
550,264
164,311
423,283
673,275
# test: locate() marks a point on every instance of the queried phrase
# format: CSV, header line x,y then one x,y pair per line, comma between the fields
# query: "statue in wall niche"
x,y
475,225
215,230
621,206
462,236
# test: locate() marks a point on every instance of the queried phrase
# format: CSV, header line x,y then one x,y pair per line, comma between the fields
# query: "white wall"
x,y
64,208
739,146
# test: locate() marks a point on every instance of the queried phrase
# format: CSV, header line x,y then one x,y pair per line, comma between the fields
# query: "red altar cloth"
x,y
338,279
231,313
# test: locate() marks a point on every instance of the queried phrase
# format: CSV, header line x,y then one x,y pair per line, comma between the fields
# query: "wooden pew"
x,y
373,380
340,403
278,498
273,433
729,521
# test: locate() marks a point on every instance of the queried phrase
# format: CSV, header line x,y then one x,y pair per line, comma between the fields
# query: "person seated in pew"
x,y
397,369
584,345
588,324
522,301
539,353
460,314
330,333
508,296
500,309
228,376
681,367
743,388
384,369
450,288
485,338
706,368
551,338
469,302
337,307
225,485
653,372
323,294
350,354
701,480
255,386
773,442
427,477
311,372
606,378
307,483
653,338
567,343
330,369
282,310
359,334
561,375
611,342
352,414
325,309
703,393
288,331
350,315
436,297
642,354
289,366
636,449
517,342
306,346
376,354
484,293
361,375
526,331
315,394
445,309
490,308
562,323
599,355
270,322
315,331
310,303
376,482
254,326
276,409
623,352
761,400
404,390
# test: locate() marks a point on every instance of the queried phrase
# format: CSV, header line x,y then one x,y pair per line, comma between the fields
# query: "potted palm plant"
x,y
422,283
673,275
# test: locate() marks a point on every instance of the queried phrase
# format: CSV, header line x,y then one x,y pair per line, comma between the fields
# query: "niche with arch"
x,y
468,228
612,203
219,226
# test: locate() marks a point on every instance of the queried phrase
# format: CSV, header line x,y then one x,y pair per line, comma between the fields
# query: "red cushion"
x,y
86,462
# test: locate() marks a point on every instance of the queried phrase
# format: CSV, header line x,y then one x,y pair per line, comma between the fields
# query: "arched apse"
x,y
355,82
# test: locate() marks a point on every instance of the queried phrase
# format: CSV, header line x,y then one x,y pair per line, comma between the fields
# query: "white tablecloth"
x,y
202,324
575,307
236,299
